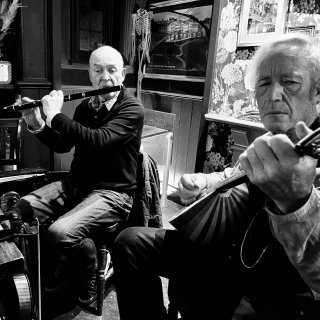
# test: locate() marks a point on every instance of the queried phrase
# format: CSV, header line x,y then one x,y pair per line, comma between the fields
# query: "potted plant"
x,y
8,11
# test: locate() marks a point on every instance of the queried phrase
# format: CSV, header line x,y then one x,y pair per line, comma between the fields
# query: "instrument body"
x,y
221,213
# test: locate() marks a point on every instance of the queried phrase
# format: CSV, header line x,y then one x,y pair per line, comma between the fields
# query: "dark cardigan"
x,y
106,143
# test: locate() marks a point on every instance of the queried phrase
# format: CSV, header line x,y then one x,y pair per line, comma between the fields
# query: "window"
x,y
89,27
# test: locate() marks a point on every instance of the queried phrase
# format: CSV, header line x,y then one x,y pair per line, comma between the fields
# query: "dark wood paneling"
x,y
194,136
183,135
34,40
34,152
177,110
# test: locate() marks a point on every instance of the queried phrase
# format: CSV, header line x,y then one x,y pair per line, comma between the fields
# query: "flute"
x,y
70,97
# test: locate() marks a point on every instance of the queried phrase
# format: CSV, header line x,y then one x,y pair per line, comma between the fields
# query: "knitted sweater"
x,y
106,143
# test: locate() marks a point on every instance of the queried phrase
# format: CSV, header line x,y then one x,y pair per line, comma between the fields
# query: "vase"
x,y
5,68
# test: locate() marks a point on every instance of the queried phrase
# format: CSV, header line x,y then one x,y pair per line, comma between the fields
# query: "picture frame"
x,y
261,21
307,30
180,33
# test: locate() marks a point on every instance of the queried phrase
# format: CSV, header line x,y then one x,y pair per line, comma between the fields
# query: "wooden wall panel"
x,y
194,136
186,133
177,110
34,152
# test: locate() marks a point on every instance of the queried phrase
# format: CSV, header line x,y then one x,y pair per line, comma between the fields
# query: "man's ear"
x,y
124,71
89,74
316,97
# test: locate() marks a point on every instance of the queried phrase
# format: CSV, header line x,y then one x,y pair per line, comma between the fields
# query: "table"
x,y
157,142
149,131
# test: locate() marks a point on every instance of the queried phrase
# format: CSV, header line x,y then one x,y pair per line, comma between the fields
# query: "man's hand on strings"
x,y
272,164
190,186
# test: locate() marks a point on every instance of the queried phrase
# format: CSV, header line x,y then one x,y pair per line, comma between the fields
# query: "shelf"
x,y
6,86
172,94
173,77
234,121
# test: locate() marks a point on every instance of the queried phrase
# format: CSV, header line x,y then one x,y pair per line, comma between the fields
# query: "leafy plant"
x,y
8,11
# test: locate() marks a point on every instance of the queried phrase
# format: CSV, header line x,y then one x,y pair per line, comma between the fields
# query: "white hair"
x,y
294,45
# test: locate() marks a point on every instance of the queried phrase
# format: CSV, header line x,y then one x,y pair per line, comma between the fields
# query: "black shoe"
x,y
88,293
57,280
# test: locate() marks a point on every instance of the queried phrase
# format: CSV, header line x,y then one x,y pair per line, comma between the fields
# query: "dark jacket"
x,y
146,209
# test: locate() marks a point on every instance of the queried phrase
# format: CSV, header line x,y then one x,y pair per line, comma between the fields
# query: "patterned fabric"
x,y
96,103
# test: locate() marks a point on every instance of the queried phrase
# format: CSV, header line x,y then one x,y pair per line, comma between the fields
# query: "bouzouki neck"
x,y
307,146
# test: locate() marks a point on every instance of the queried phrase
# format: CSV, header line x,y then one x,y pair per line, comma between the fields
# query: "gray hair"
x,y
294,45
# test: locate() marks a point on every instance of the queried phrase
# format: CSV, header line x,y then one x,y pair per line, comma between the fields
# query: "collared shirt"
x,y
97,102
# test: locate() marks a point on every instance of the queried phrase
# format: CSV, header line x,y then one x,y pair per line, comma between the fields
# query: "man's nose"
x,y
276,91
105,75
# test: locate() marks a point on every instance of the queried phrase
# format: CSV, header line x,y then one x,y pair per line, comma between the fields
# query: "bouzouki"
x,y
222,209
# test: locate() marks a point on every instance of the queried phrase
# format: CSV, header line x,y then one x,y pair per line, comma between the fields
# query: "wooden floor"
x,y
110,308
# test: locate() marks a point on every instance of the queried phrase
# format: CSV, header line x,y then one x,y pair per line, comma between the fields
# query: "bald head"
x,y
106,69
106,52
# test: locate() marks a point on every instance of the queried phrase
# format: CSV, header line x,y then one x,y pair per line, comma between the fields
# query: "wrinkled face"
x,y
284,93
106,70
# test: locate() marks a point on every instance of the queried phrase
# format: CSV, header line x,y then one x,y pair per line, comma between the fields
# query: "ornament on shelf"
x,y
141,39
5,71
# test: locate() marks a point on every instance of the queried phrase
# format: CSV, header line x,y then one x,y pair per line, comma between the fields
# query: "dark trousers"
x,y
141,255
207,284
75,219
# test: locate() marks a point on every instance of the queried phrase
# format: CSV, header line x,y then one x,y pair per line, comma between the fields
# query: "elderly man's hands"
x,y
32,116
52,103
190,186
272,164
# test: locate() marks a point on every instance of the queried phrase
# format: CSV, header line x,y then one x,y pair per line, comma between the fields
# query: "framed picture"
x,y
180,32
261,21
307,30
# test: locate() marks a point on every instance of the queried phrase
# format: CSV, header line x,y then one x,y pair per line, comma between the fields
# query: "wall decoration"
x,y
306,30
180,32
306,6
304,20
140,41
230,95
261,20
218,149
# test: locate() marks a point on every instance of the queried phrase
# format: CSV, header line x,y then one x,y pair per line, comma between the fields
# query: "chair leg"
x,y
166,171
173,311
102,261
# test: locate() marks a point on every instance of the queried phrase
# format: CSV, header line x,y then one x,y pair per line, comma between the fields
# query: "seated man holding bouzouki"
x,y
98,191
272,256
